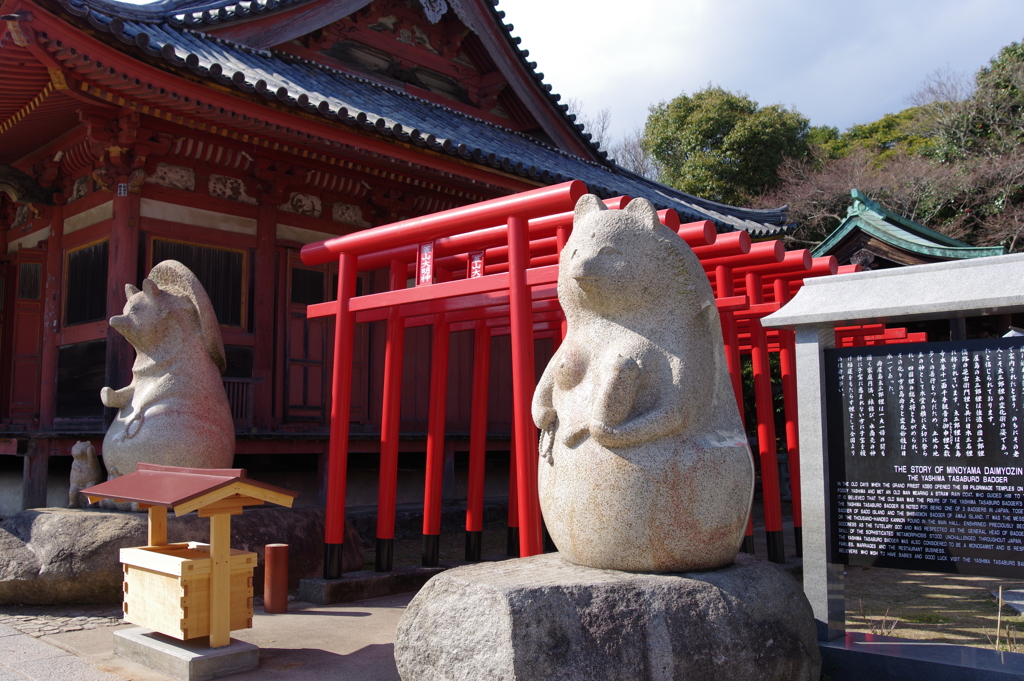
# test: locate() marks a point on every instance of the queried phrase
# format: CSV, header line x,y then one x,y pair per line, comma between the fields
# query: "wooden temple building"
x,y
875,237
227,135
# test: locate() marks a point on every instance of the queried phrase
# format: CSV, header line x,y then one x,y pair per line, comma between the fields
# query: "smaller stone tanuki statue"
x,y
644,462
175,411
86,471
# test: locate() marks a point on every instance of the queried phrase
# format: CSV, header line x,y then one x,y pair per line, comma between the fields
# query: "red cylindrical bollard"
x,y
275,579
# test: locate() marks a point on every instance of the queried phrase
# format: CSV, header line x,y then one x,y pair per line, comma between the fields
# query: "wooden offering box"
x,y
191,590
167,589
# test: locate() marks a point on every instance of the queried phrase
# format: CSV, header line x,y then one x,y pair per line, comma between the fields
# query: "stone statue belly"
x,y
667,506
178,435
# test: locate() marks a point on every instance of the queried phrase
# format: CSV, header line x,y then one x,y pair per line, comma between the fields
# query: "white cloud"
x,y
838,63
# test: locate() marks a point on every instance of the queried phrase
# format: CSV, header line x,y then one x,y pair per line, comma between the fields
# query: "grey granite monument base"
x,y
545,618
186,660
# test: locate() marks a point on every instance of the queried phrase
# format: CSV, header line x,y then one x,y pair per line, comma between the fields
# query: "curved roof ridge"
x,y
212,12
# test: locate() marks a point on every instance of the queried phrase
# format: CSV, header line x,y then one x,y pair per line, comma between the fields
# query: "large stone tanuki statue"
x,y
175,410
644,462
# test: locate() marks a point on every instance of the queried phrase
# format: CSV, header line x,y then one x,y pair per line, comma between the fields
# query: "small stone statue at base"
x,y
86,471
644,461
175,411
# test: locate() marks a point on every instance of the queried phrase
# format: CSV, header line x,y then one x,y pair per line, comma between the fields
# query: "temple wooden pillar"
x,y
122,268
263,325
52,291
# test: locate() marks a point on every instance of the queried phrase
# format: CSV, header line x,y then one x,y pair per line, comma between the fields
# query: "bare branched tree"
x,y
596,124
630,154
958,166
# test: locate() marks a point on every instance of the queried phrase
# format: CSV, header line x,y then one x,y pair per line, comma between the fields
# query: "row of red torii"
x,y
493,267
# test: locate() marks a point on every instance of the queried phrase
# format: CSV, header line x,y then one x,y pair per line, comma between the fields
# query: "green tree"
x,y
891,135
721,145
954,161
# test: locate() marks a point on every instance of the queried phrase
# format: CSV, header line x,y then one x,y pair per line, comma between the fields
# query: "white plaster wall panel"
x,y
29,240
90,217
304,236
198,217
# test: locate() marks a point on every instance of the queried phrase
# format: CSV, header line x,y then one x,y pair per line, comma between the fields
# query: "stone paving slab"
x,y
345,642
24,658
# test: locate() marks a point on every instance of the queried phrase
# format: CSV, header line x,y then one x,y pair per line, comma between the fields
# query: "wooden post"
x,y
723,279
157,526
433,486
389,434
341,400
122,268
266,285
51,319
275,581
220,580
512,540
523,383
478,440
765,428
787,365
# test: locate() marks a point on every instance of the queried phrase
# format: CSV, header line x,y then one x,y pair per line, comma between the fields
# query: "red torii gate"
x,y
501,279
427,238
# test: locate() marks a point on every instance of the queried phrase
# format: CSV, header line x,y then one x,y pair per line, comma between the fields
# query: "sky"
x,y
838,63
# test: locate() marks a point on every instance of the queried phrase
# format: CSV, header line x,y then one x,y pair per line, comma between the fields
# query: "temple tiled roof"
x,y
159,32
899,232
183,12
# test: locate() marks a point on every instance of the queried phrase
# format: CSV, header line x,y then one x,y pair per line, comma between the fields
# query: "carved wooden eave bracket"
x,y
22,188
122,148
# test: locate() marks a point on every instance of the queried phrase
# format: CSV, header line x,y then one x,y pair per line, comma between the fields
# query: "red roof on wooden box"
x,y
171,486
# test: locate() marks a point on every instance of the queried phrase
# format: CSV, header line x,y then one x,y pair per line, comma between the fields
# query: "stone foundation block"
x,y
191,660
545,618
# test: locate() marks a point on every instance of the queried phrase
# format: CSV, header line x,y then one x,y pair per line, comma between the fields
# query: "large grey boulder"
x,y
545,618
59,555
644,461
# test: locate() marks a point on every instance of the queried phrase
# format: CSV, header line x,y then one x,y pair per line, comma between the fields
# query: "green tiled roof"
x,y
899,232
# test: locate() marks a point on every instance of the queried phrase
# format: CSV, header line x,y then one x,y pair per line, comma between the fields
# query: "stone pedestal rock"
x,y
543,618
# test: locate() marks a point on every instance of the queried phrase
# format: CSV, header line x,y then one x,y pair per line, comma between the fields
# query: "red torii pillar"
x,y
389,430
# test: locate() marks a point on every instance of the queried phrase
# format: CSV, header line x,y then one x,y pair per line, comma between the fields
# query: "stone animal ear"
x,y
643,210
150,289
130,290
587,204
